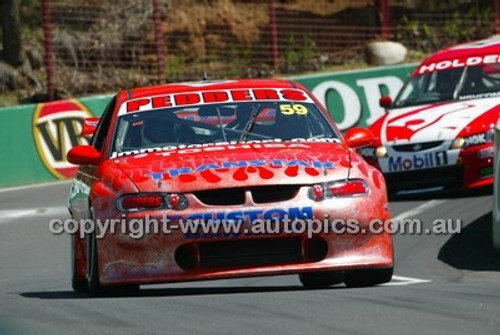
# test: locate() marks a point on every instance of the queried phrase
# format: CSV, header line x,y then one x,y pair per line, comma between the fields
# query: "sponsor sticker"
x,y
418,161
56,129
458,63
242,163
211,97
296,143
485,172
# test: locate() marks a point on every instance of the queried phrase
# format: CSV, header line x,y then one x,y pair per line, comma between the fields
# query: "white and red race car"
x,y
438,133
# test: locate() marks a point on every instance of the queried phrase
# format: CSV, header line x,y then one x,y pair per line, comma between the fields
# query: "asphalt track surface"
x,y
444,284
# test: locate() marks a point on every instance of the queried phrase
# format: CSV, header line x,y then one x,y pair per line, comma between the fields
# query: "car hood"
x,y
440,121
227,166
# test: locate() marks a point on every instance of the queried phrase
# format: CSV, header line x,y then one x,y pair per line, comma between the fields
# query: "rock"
x,y
35,57
9,78
386,53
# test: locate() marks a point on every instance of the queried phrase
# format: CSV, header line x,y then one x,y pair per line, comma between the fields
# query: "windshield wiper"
x,y
250,124
221,125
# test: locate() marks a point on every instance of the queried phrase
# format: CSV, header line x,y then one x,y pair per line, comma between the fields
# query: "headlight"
x,y
370,152
457,143
338,189
148,201
381,152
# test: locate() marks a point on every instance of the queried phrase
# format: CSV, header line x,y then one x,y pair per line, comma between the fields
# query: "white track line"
x,y
418,210
25,187
11,215
404,281
401,280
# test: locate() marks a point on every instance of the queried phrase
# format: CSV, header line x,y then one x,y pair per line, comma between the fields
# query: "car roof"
x,y
207,85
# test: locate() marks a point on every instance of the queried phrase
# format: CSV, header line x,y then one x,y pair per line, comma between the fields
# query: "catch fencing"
x,y
109,45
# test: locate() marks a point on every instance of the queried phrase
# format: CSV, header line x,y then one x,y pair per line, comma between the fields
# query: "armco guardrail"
x,y
36,137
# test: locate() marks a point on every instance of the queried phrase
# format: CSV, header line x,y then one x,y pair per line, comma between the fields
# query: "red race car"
x,y
438,133
212,162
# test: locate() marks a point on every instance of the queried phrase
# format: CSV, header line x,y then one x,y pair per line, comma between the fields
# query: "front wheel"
x,y
320,279
78,281
367,277
94,285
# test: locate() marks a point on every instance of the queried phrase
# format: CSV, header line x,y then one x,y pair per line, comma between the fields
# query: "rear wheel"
x,y
320,279
367,277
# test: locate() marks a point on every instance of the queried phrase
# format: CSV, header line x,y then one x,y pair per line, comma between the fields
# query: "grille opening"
x,y
447,177
187,257
420,146
230,196
267,194
250,253
236,196
315,249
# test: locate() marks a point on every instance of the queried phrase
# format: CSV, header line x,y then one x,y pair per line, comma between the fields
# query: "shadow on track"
x,y
472,249
172,292
449,194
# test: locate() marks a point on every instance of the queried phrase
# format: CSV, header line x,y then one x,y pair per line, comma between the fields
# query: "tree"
x,y
11,32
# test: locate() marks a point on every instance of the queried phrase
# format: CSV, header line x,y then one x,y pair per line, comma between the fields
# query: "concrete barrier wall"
x,y
35,138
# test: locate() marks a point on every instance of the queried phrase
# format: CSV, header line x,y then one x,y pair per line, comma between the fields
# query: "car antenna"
x,y
205,75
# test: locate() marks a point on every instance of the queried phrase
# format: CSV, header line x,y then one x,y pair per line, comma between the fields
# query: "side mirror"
x,y
385,102
89,126
83,155
358,138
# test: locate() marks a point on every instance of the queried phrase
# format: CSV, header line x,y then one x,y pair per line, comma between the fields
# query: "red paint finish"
x,y
152,258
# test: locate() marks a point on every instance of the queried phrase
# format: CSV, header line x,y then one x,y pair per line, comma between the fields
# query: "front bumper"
x,y
176,257
465,169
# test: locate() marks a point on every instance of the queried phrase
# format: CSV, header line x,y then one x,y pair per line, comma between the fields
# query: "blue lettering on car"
x,y
423,161
211,225
158,175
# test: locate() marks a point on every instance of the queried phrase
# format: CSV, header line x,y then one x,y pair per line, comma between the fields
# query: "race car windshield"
x,y
221,123
474,82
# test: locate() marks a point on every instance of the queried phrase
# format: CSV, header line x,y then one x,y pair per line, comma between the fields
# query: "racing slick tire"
x,y
322,279
79,286
367,277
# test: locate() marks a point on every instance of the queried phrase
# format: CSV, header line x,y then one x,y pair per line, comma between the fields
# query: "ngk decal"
x,y
56,129
475,139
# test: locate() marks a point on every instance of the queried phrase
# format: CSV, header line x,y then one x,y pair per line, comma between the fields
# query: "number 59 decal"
x,y
289,109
